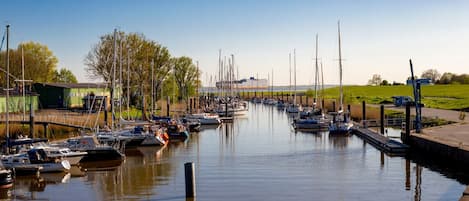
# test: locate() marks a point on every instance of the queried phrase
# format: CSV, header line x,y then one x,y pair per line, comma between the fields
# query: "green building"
x,y
16,103
67,95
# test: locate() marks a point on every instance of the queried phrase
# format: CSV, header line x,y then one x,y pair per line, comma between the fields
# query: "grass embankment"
x,y
452,97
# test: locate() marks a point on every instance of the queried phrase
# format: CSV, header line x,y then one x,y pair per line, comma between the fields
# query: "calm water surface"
x,y
258,157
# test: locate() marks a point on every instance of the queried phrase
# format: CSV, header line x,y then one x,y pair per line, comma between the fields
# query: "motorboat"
x,y
96,151
35,157
204,118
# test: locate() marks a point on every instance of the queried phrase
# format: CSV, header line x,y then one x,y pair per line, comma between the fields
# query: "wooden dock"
x,y
381,142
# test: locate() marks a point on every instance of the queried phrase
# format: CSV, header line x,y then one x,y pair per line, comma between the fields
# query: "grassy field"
x,y
454,97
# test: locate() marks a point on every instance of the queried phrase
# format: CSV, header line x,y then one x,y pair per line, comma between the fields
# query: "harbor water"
x,y
257,157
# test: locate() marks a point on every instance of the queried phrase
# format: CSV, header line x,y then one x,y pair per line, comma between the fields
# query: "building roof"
x,y
76,85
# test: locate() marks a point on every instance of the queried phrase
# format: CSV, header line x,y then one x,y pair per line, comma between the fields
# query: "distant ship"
x,y
251,83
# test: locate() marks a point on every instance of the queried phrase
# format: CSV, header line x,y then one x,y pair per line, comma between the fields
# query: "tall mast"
x,y
289,64
128,84
22,80
120,80
8,88
322,86
316,75
152,86
294,67
340,69
272,86
113,81
197,88
219,73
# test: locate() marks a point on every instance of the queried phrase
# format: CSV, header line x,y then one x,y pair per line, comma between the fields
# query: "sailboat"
x,y
293,108
312,118
340,123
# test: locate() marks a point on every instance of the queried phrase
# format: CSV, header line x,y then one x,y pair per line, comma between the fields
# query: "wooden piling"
x,y
364,114
167,106
31,120
333,106
105,112
190,105
189,172
406,137
382,119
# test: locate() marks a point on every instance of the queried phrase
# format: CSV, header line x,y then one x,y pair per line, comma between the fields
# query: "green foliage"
x,y
39,62
64,76
185,74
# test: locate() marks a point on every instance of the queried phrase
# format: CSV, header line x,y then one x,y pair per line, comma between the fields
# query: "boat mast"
x,y
8,89
316,75
197,88
289,64
120,80
152,87
294,67
340,69
322,87
128,84
113,82
272,87
22,80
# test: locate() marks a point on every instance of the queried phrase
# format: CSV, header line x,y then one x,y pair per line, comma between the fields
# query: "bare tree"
x,y
431,74
375,80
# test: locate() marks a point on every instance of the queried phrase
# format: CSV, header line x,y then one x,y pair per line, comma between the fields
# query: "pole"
x,y
364,114
31,119
167,107
22,79
333,106
382,119
407,125
189,172
8,89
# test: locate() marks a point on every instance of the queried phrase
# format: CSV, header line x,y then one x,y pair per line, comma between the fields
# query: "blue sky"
x,y
378,37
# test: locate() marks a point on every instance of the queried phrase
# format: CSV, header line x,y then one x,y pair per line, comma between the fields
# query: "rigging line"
x,y
3,39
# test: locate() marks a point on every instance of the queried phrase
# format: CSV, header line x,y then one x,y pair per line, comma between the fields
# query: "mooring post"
x,y
190,105
46,126
31,120
322,104
307,102
382,119
406,137
349,111
364,114
333,106
189,172
226,108
105,111
167,106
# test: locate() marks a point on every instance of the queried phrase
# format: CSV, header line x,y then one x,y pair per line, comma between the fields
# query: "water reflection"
x,y
142,169
26,187
260,157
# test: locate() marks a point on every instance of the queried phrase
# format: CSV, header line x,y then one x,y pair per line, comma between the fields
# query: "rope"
x,y
3,39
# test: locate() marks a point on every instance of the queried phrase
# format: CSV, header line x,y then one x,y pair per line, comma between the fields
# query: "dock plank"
x,y
381,142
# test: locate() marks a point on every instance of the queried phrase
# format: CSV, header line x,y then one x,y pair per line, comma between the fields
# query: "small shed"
x,y
67,95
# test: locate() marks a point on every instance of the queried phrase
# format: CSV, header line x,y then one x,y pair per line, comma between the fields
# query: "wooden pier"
x,y
381,142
